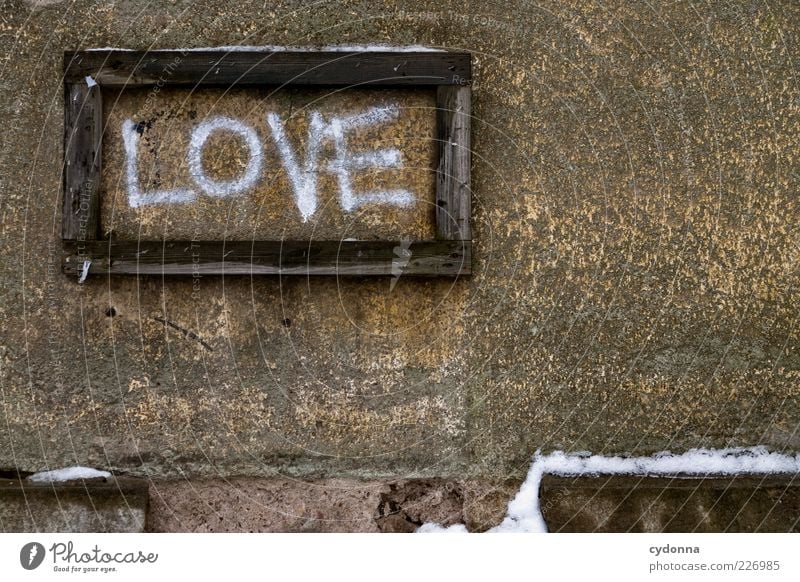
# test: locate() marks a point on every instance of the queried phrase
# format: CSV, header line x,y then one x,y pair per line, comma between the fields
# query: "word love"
x,y
302,173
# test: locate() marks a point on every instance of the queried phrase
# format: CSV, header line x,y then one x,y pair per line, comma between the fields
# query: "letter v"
x,y
304,181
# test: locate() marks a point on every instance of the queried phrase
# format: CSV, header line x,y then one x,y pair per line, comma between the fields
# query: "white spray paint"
x,y
221,189
524,515
84,272
344,161
304,180
136,196
302,176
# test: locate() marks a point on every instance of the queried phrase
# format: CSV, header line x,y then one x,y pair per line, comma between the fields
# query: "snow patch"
x,y
524,514
68,474
436,528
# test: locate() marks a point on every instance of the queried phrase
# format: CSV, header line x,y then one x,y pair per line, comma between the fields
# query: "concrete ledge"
x,y
91,505
288,505
580,504
659,504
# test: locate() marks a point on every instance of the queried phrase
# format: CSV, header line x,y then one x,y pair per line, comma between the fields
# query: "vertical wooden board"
x,y
453,193
83,134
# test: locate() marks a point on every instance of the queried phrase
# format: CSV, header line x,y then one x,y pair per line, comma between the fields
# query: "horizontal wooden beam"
x,y
341,258
116,68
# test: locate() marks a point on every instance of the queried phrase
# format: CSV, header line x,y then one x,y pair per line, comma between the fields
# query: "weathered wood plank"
x,y
83,135
453,194
125,68
342,258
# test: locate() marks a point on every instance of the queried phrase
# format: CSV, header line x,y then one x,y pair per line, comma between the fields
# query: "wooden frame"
x,y
86,73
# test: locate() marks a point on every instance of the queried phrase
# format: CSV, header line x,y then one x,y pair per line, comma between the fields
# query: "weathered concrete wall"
x,y
282,504
289,505
636,268
95,505
642,504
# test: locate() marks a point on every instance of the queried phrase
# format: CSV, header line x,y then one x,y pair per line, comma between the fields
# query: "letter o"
x,y
222,188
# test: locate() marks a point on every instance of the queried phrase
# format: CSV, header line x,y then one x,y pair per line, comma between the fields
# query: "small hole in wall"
x,y
286,322
111,312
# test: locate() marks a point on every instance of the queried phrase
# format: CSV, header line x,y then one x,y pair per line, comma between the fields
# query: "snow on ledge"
x,y
524,515
277,48
68,474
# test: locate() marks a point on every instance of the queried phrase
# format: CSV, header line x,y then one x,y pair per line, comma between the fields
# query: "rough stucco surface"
x,y
635,184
